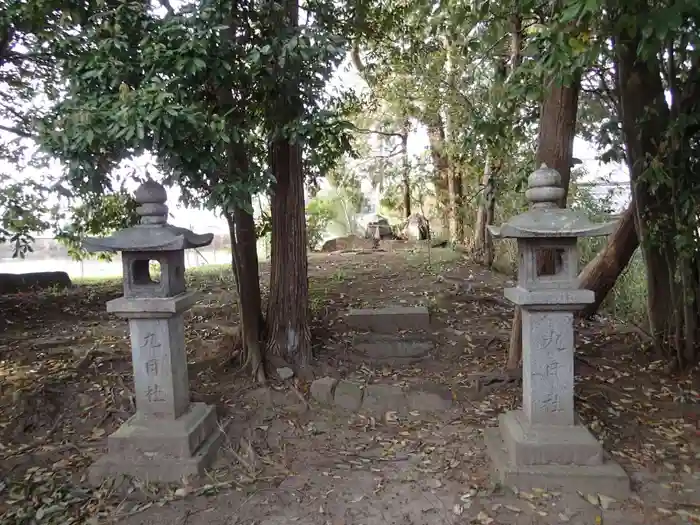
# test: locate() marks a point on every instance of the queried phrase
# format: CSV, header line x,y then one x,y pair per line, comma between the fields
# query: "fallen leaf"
x,y
605,501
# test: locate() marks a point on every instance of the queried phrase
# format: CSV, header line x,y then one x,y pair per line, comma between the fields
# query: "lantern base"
x,y
161,451
607,477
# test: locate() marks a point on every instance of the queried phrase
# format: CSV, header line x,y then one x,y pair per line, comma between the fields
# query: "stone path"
x,y
319,466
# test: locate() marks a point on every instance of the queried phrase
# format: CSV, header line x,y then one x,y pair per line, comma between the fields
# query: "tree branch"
x,y
378,132
16,131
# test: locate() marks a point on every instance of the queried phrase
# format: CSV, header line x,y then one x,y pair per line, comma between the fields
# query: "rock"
x,y
322,390
285,373
24,282
379,399
429,398
348,395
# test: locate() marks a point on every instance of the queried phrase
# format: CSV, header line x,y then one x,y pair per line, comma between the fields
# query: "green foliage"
x,y
23,212
319,214
98,216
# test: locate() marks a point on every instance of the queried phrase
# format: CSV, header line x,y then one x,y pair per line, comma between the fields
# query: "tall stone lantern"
x,y
543,445
168,438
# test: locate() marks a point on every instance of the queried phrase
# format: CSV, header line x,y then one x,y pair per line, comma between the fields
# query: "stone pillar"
x,y
168,438
543,445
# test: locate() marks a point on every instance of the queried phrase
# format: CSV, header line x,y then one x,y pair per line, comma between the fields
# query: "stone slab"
x,y
348,395
157,468
322,389
387,347
178,438
379,399
158,307
608,479
429,397
389,320
547,444
550,299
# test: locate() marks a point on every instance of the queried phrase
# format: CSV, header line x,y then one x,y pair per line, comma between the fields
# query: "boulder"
x,y
25,282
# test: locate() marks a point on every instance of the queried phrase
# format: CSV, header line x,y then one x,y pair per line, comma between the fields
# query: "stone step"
x,y
387,348
379,398
389,320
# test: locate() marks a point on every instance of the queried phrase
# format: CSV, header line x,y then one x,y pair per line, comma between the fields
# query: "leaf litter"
x,y
70,386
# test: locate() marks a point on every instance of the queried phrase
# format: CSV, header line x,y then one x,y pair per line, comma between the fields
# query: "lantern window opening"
x,y
146,272
550,263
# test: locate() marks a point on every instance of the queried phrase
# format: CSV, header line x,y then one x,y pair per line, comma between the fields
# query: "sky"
x,y
345,77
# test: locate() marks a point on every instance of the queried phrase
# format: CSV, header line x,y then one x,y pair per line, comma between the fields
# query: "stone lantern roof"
x,y
545,218
153,234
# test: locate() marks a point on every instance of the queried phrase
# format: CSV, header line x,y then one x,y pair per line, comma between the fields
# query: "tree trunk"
x,y
645,118
458,185
244,258
555,149
601,274
483,244
441,165
288,306
406,172
452,210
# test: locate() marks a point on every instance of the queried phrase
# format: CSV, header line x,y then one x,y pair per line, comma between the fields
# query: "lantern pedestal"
x,y
168,438
543,445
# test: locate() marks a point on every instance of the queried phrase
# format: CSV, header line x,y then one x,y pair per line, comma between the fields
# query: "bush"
x,y
319,214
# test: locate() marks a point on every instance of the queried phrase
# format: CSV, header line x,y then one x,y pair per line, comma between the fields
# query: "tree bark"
x,y
406,171
645,118
555,149
288,307
441,164
483,243
244,259
601,274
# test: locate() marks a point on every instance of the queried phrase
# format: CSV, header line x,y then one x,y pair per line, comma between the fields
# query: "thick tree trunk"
x,y
244,258
288,306
555,149
601,274
645,118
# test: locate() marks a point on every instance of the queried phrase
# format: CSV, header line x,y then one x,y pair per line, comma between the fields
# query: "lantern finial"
x,y
544,188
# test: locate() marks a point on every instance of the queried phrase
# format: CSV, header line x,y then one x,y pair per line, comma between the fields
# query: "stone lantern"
x,y
168,438
543,445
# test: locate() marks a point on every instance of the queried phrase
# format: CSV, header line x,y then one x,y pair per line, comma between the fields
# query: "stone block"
x,y
548,367
389,320
547,444
141,435
608,478
379,399
348,395
322,390
151,307
161,384
157,467
429,398
385,347
550,299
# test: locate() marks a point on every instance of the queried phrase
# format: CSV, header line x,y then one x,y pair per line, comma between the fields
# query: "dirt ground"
x,y
65,384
